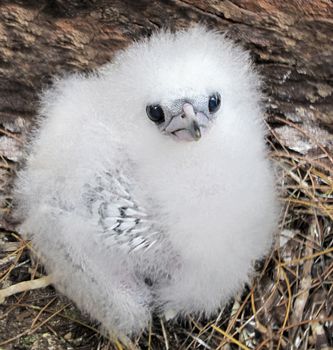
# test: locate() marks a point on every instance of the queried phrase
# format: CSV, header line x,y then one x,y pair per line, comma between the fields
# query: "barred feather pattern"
x,y
124,223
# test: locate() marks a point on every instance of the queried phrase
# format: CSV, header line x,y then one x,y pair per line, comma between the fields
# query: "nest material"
x,y
287,306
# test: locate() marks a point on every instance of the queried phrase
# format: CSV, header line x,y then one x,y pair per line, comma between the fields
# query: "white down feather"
x,y
208,208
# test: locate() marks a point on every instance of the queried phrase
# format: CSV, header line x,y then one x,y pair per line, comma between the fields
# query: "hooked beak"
x,y
193,125
195,130
185,125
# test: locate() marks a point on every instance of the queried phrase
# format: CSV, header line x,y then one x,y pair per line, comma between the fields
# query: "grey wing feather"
x,y
123,222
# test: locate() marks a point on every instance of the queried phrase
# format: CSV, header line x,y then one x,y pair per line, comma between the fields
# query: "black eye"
x,y
155,113
214,102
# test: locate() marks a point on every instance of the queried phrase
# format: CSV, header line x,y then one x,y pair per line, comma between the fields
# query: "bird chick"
x,y
147,186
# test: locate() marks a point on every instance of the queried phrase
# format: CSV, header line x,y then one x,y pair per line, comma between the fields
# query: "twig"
x,y
24,286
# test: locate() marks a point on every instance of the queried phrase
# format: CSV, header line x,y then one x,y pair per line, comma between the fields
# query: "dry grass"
x,y
289,304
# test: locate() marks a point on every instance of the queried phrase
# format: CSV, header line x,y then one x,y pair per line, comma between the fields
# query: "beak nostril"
x,y
182,115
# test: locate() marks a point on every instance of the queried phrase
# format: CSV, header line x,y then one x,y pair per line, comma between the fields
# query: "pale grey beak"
x,y
185,125
193,126
195,130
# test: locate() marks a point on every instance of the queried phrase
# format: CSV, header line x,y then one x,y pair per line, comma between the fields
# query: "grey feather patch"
x,y
123,223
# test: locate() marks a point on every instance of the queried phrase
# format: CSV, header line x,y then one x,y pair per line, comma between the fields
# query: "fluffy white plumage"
x,y
131,216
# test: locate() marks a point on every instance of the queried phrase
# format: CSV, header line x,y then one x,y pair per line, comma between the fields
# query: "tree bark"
x,y
290,41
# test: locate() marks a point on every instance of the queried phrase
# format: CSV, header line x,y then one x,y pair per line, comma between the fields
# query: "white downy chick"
x,y
147,186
